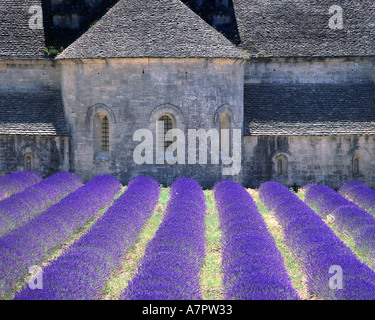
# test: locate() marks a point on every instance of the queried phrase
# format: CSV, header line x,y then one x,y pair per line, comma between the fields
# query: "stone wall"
x,y
320,159
29,75
310,70
133,93
49,154
323,160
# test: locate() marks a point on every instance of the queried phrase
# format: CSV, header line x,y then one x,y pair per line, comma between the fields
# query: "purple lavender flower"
x,y
22,207
17,182
317,247
349,185
324,199
82,272
171,265
29,244
347,215
360,194
252,265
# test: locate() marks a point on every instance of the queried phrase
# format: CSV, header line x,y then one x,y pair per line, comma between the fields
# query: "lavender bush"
x,y
324,199
171,265
82,272
21,207
360,194
347,216
253,267
17,182
317,248
349,185
29,244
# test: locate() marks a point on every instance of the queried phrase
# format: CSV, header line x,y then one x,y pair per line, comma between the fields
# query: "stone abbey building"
x,y
78,78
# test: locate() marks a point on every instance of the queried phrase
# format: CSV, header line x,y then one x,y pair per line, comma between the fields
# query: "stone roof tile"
x,y
17,39
151,29
309,109
32,113
285,28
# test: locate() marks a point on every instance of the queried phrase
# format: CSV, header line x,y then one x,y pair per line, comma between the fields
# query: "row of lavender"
x,y
318,249
29,244
17,182
83,271
21,207
172,262
360,194
253,268
252,265
346,214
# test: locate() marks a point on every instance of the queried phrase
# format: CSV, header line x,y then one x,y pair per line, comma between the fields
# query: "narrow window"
x,y
28,162
356,165
167,125
105,134
225,134
279,166
282,166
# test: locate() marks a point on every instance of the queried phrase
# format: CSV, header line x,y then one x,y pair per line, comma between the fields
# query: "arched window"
x,y
167,124
225,126
357,165
282,165
29,161
100,120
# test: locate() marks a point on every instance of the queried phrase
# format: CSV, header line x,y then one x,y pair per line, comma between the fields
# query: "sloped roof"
x,y
31,113
153,29
309,109
286,28
17,39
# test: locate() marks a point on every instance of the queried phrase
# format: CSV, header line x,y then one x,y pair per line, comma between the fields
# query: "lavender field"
x,y
62,239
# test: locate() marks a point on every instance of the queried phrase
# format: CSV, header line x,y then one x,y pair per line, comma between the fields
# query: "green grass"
x,y
120,277
211,276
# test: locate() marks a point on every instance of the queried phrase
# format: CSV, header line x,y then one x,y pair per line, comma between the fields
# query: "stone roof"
x,y
31,113
309,109
17,39
286,28
152,29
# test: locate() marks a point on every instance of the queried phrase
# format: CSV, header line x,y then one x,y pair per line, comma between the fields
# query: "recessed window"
x,y
279,166
282,165
167,123
225,126
356,165
29,159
